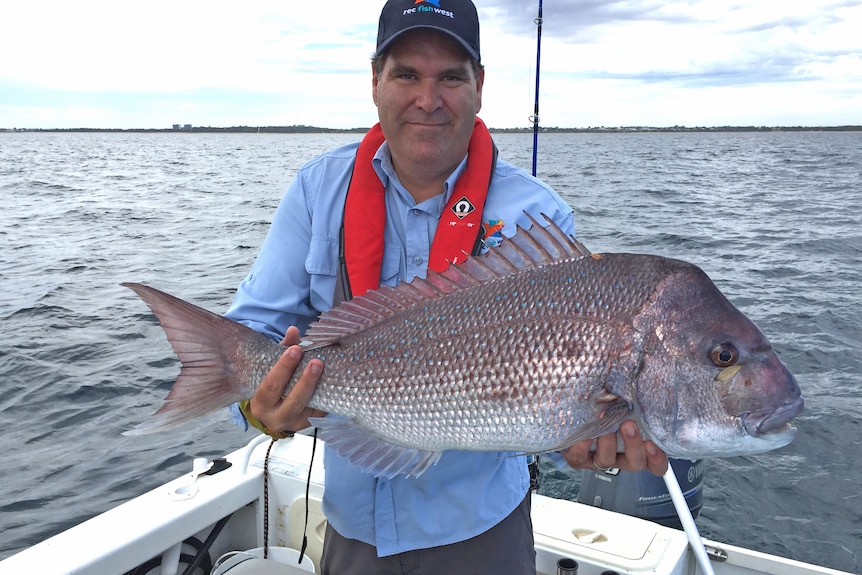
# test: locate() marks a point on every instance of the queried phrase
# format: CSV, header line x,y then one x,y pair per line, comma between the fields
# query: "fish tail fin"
x,y
206,344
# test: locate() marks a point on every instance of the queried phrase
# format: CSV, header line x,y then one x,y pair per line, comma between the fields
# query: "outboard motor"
x,y
642,494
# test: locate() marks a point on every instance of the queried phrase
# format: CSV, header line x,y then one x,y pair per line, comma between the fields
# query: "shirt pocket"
x,y
321,264
391,268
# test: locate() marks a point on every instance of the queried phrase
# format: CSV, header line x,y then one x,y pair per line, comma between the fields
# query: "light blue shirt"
x,y
293,280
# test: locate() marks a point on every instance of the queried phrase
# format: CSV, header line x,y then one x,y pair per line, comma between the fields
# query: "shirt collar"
x,y
382,163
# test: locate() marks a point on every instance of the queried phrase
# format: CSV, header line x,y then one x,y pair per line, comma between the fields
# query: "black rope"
x,y
201,559
307,490
533,467
203,553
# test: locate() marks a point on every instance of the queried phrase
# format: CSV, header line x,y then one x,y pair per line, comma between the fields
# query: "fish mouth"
x,y
776,421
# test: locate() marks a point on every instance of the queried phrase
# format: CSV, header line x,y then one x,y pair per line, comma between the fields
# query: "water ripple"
x,y
771,217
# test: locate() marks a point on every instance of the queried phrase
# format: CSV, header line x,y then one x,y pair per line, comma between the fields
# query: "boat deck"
x,y
156,524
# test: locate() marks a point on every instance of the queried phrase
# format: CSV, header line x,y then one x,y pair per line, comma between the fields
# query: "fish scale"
x,y
532,347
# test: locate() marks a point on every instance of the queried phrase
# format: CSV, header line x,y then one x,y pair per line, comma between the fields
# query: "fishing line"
x,y
307,490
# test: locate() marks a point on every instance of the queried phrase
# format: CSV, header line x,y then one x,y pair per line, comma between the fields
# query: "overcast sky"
x,y
115,64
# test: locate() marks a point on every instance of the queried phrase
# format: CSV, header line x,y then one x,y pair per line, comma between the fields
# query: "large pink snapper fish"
x,y
530,348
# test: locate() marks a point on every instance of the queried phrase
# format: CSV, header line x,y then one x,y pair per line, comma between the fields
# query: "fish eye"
x,y
724,355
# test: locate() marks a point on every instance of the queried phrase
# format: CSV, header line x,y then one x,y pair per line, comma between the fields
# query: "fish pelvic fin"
x,y
370,452
528,248
206,344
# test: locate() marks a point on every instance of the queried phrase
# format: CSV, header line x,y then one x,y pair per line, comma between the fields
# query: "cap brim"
x,y
469,49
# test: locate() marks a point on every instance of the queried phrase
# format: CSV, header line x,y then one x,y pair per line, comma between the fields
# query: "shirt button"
x,y
417,260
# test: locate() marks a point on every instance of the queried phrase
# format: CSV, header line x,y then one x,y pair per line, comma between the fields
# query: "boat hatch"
x,y
608,539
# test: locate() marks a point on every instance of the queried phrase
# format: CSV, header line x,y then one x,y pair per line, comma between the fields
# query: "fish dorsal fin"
x,y
528,248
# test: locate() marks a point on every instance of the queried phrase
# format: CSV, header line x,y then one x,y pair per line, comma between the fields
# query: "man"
x,y
470,511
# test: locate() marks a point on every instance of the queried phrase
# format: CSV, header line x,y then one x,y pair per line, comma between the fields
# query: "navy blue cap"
x,y
457,18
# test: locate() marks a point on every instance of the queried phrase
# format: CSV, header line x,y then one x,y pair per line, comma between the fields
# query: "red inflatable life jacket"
x,y
458,232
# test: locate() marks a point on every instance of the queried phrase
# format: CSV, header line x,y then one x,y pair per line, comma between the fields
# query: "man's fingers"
x,y
634,456
292,414
606,451
301,393
280,412
273,385
291,336
656,459
638,454
578,456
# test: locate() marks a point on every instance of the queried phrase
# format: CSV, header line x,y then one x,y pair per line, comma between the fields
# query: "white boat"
x,y
228,513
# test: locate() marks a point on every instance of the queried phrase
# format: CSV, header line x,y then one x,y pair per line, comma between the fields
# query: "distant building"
x,y
185,127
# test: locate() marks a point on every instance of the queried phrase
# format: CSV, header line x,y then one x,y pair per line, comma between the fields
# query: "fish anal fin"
x,y
372,453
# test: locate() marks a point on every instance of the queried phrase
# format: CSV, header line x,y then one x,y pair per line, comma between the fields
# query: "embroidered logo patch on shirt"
x,y
493,233
463,207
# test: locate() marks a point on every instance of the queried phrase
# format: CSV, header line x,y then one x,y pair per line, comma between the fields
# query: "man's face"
x,y
427,97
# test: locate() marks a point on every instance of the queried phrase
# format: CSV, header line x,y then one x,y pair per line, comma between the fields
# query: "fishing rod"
x,y
535,117
691,532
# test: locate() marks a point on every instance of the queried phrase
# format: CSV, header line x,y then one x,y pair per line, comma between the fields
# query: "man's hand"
x,y
287,414
638,455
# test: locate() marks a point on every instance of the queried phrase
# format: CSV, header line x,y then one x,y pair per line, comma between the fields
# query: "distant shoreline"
x,y
299,129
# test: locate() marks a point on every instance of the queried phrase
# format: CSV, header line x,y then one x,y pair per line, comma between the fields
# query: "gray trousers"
x,y
505,548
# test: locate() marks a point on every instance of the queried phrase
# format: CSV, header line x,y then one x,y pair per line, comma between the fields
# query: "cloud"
x,y
707,42
701,62
169,46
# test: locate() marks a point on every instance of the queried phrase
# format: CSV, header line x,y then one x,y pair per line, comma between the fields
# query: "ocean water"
x,y
773,218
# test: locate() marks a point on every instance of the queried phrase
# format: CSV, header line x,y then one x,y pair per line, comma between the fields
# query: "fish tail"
x,y
206,344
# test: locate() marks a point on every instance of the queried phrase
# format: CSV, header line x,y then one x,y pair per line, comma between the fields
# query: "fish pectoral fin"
x,y
371,452
608,422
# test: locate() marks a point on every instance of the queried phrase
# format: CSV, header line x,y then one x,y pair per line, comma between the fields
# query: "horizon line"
x,y
301,128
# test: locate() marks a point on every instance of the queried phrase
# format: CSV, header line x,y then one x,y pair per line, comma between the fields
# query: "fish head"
x,y
710,384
